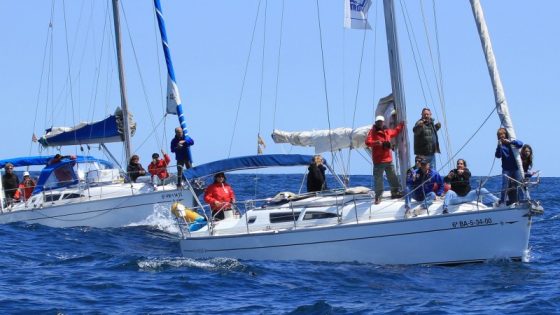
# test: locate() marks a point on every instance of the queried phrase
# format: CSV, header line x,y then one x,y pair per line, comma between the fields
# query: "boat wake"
x,y
160,219
215,264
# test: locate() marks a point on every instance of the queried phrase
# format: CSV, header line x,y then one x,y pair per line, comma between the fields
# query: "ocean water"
x,y
138,269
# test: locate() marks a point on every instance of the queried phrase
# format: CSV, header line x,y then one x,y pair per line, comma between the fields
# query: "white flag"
x,y
173,97
355,14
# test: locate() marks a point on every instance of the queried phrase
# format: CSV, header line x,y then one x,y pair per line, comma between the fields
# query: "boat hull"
x,y
440,239
100,213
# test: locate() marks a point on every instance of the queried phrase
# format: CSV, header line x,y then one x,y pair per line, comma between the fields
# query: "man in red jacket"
x,y
379,140
220,196
158,167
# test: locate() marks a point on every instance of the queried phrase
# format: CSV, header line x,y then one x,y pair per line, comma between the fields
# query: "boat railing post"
x,y
293,214
246,217
355,209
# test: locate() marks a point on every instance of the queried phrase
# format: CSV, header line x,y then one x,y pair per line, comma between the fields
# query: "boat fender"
x,y
180,211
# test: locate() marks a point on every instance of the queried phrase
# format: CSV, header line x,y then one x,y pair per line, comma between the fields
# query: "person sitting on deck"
x,y
460,190
158,167
421,185
134,168
220,196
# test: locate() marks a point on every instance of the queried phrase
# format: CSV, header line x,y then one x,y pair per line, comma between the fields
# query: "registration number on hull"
x,y
471,223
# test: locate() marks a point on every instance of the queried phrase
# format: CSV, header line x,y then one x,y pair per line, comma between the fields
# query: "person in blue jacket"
x,y
180,146
511,176
422,182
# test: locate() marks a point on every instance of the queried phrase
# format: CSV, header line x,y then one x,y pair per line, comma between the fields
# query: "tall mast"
x,y
403,148
499,94
174,105
124,102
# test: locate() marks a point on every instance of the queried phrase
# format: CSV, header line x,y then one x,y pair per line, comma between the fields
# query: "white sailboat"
x,y
85,191
345,224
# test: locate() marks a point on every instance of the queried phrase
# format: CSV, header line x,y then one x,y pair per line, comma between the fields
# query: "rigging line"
x,y
150,134
438,81
356,94
278,67
416,50
50,82
49,30
443,103
470,138
244,79
142,83
414,57
95,87
162,98
262,75
69,62
324,76
410,30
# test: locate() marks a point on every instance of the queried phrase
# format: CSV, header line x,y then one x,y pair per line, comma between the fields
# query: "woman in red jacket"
x,y
379,140
159,167
220,196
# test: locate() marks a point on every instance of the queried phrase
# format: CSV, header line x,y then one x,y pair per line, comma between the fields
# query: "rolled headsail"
x,y
174,104
324,140
499,94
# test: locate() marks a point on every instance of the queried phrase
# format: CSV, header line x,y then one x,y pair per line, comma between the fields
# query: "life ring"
x,y
180,211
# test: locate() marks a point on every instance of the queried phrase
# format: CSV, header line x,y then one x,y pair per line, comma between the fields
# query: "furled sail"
x,y
324,140
107,130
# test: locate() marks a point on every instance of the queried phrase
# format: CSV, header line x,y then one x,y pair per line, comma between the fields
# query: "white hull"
x,y
464,236
115,211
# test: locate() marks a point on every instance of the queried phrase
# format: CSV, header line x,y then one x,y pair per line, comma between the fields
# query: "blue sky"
x,y
210,44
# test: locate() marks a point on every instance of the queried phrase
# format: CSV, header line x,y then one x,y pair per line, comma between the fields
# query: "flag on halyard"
x,y
355,14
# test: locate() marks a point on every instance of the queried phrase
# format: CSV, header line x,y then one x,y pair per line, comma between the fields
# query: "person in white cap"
x,y
379,140
25,188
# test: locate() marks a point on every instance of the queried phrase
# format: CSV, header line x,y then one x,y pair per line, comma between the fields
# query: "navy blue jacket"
x,y
427,181
505,152
181,154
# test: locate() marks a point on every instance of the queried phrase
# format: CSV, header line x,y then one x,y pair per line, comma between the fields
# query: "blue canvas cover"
x,y
103,131
26,161
64,168
247,162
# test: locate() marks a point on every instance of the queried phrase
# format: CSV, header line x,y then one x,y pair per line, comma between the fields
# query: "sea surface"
x,y
139,270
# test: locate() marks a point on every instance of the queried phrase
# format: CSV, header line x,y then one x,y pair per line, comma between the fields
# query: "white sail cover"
x,y
173,97
324,140
355,14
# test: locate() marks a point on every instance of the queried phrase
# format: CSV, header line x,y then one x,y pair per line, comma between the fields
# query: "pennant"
x,y
355,14
173,97
260,144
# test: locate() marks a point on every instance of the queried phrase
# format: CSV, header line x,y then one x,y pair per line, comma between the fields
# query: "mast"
x,y
174,105
403,148
124,102
499,94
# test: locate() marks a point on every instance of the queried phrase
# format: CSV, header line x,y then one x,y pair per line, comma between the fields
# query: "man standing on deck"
x,y
180,146
379,140
426,141
10,183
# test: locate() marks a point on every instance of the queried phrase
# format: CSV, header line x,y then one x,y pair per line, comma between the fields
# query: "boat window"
x,y
71,196
283,217
252,220
314,215
51,197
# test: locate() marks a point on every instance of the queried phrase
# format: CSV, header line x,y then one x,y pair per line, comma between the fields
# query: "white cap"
x,y
25,174
378,118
